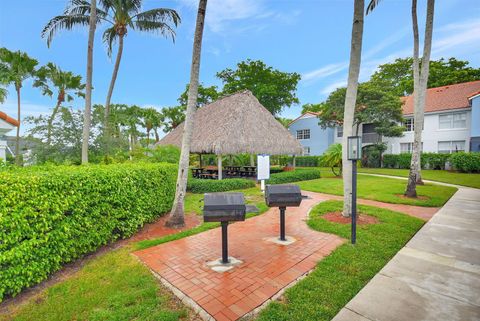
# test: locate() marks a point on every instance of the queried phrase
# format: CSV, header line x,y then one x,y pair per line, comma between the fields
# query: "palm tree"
x,y
172,117
87,117
120,15
420,79
177,215
150,118
65,83
333,158
350,101
15,67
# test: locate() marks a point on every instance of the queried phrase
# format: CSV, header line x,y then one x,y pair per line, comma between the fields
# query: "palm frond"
x,y
372,5
160,15
67,22
109,38
82,7
155,27
3,94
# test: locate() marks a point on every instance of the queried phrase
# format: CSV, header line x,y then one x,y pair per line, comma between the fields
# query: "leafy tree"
x,y
121,16
15,68
65,133
206,95
284,121
398,75
312,108
373,105
172,117
49,78
332,158
273,88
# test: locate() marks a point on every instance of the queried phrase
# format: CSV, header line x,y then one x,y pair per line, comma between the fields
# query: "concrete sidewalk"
x,y
436,276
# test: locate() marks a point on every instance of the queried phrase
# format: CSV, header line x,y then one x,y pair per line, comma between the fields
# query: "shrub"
x,y
434,160
211,185
51,217
307,161
294,176
466,162
166,153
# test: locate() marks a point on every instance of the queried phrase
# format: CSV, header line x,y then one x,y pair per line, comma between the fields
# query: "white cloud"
x,y
324,71
460,37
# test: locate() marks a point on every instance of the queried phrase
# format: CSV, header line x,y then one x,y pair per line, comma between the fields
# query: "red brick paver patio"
x,y
267,268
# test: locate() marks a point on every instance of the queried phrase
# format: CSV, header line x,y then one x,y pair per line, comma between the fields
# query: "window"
x,y
303,134
339,131
449,121
408,125
448,147
306,151
407,147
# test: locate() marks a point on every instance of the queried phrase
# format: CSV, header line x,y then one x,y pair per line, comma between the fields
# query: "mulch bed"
x,y
362,219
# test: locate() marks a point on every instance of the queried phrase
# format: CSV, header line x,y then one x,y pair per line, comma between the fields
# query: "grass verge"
x,y
113,286
383,189
341,275
464,179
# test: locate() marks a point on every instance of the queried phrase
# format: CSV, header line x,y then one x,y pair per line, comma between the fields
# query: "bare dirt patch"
x,y
362,219
419,197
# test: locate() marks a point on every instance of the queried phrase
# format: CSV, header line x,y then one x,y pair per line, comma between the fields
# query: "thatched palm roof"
x,y
236,124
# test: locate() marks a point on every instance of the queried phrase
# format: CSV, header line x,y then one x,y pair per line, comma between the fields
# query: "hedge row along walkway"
x,y
267,268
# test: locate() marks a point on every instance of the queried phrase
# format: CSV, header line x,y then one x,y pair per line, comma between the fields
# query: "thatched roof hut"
x,y
236,124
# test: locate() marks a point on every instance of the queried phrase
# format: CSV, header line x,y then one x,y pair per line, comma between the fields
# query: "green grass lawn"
x,y
112,286
383,189
464,179
341,275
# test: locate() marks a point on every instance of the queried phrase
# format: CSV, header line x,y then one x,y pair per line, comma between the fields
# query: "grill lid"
x,y
283,189
224,201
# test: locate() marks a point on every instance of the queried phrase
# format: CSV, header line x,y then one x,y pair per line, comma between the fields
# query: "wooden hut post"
x,y
293,161
200,160
219,158
252,160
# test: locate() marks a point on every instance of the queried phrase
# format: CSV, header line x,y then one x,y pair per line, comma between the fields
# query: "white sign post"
x,y
263,169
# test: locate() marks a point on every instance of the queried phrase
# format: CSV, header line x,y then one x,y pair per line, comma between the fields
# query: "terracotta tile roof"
x,y
9,119
445,97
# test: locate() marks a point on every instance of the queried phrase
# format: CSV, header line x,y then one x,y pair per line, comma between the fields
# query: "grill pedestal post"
x,y
282,223
225,243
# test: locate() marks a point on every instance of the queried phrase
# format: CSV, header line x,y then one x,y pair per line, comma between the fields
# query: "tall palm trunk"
x,y
50,120
88,90
420,79
112,84
157,137
177,218
18,161
350,101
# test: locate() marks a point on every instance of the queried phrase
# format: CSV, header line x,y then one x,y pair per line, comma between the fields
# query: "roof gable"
x,y
9,119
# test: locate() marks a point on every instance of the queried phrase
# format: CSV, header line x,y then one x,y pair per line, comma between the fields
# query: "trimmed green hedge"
x,y
466,162
428,160
51,217
294,176
199,186
301,161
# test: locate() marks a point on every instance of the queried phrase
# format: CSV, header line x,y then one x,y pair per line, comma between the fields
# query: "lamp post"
x,y
354,147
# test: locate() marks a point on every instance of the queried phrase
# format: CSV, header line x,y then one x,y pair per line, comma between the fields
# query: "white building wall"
x,y
432,134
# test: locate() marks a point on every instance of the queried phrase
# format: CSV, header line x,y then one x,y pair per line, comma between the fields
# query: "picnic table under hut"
x,y
232,125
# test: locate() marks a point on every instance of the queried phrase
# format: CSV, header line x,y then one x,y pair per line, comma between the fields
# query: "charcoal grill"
x,y
283,196
224,208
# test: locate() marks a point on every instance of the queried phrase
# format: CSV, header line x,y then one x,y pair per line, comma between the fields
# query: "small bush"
x,y
434,160
52,216
199,186
294,176
466,162
307,161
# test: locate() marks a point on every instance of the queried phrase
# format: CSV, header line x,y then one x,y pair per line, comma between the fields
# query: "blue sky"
x,y
311,37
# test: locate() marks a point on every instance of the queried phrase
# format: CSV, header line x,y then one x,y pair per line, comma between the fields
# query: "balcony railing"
x,y
370,138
